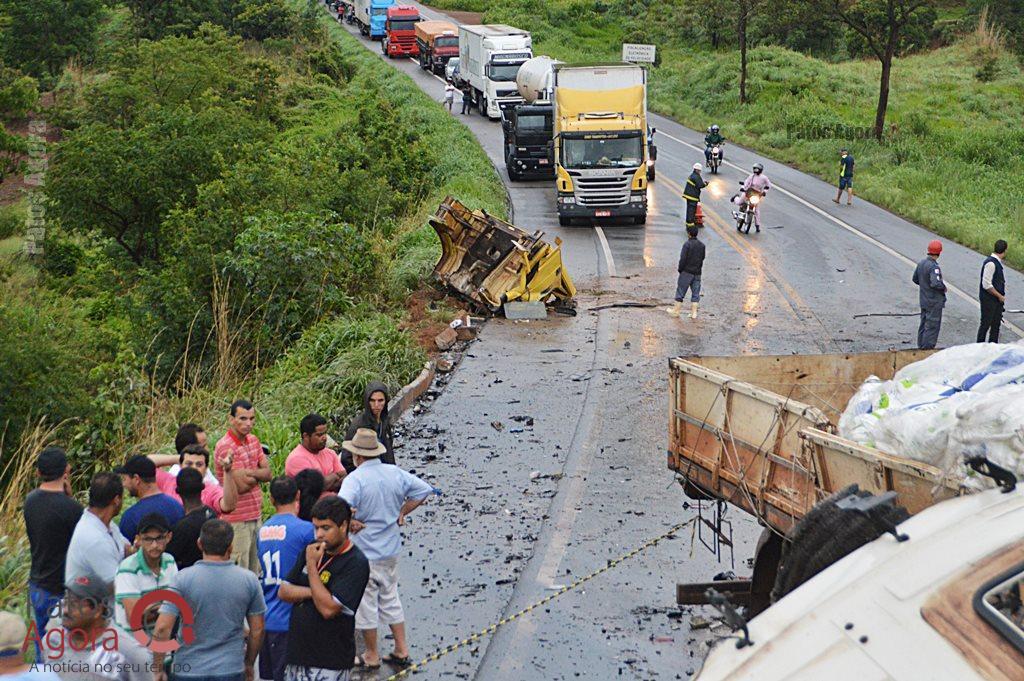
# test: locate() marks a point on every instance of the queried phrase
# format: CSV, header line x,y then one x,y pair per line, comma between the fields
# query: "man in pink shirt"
x,y
250,468
222,499
314,453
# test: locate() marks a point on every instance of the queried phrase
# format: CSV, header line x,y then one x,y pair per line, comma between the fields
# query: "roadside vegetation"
x,y
236,207
949,155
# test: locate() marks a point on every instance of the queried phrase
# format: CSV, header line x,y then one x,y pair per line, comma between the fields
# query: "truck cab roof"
x,y
925,608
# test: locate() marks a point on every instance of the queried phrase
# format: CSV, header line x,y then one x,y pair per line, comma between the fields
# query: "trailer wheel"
x,y
827,534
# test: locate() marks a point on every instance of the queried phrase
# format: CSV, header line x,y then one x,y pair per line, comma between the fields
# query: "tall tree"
x,y
746,10
18,95
43,34
882,24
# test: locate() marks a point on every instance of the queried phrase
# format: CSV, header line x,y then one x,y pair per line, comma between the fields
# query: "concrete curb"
x,y
410,393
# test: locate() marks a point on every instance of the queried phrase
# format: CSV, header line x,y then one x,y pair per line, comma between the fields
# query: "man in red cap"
x,y
932,296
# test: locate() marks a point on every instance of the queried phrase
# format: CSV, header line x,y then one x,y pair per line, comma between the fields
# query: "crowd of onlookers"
x,y
193,582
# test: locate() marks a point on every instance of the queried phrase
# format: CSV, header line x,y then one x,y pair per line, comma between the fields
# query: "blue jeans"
x,y
43,602
688,281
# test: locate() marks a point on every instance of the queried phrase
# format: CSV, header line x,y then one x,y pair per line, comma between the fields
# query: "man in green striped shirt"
x,y
148,569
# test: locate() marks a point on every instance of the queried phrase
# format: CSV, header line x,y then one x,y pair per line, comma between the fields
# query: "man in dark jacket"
x,y
375,417
932,296
692,194
992,294
691,261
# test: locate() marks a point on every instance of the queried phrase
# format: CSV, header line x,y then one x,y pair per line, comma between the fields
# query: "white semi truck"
x,y
489,59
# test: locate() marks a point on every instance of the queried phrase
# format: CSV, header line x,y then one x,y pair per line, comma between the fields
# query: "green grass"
x,y
953,165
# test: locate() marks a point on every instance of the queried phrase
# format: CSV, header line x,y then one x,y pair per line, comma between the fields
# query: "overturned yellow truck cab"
x,y
489,262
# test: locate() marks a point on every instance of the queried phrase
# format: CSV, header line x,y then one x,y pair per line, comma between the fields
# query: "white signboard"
x,y
635,53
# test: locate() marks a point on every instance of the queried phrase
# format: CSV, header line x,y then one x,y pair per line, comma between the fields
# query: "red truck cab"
x,y
400,31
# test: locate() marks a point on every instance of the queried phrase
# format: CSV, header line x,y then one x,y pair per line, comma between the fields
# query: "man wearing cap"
x,y
97,546
251,467
692,194
148,569
931,296
138,475
93,647
381,495
13,667
51,514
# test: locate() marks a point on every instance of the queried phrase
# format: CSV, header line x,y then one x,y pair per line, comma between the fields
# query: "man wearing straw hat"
x,y
381,495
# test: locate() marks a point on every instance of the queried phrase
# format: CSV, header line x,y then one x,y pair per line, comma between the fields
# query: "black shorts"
x,y
845,183
273,655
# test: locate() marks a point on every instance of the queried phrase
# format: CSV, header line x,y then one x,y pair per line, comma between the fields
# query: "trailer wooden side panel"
x,y
774,456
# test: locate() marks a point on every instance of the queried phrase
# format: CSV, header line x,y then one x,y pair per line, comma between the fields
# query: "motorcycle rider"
x,y
694,184
711,139
759,182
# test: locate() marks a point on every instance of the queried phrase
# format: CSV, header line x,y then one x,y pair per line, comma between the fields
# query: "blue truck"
x,y
370,16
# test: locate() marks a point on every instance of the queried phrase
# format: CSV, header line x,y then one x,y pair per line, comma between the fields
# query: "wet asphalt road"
x,y
582,403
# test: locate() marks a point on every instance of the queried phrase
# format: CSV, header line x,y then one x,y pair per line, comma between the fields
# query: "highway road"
x,y
549,440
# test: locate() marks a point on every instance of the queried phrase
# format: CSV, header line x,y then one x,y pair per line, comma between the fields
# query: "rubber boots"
x,y
675,310
693,310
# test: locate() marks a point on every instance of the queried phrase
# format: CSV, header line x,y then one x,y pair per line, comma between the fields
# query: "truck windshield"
x,y
614,152
533,123
378,11
502,72
402,25
447,41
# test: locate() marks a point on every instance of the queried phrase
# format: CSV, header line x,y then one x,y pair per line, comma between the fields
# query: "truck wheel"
x,y
512,174
640,219
483,107
564,220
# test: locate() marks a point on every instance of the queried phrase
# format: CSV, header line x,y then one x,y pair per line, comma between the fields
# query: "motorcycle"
x,y
715,159
751,198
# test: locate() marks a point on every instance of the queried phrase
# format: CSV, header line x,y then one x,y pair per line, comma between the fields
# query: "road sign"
x,y
632,52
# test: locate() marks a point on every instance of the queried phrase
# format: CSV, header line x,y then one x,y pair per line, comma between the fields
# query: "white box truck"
x,y
489,59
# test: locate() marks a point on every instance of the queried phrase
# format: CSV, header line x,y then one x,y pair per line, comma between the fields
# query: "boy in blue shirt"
x,y
281,541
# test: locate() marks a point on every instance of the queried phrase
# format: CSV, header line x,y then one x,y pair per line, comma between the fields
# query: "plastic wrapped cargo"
x,y
964,401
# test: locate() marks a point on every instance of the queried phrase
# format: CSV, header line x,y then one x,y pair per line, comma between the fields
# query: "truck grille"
x,y
507,93
596,192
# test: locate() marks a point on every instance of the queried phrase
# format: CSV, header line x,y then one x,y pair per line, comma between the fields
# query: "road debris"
x,y
446,339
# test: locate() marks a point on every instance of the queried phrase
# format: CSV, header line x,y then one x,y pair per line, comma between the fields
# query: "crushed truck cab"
x,y
489,262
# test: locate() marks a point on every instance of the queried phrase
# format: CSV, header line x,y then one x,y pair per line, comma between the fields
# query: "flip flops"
x,y
360,663
400,662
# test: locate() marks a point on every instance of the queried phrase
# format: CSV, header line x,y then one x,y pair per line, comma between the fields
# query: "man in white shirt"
x,y
97,545
992,294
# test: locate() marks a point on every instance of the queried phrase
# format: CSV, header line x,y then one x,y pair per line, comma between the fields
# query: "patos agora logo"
x,y
55,641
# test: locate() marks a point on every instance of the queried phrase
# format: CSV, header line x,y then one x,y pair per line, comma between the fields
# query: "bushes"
x,y
12,219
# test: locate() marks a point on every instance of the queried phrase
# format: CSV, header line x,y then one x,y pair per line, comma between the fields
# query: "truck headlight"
x,y
567,199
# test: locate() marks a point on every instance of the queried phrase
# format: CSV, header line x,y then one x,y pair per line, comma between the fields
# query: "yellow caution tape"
x,y
437,655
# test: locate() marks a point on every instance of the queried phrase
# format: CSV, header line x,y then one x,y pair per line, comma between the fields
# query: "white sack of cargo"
x,y
964,401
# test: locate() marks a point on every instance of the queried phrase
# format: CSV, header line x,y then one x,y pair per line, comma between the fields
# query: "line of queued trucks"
x,y
583,126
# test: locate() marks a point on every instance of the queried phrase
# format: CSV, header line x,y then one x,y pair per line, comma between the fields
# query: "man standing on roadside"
x,y
375,417
91,641
51,514
691,194
250,468
382,496
138,476
148,569
325,587
449,95
312,452
931,296
184,544
221,498
467,98
97,546
222,597
992,294
282,544
691,261
845,177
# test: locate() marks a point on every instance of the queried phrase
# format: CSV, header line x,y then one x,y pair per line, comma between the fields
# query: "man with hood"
x,y
375,417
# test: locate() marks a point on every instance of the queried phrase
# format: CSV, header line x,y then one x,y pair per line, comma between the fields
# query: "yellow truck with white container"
x,y
601,142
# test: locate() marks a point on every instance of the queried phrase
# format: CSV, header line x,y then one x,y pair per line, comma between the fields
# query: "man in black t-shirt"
x,y
51,514
184,544
321,632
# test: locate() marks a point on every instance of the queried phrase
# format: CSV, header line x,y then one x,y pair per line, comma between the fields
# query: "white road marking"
x,y
607,251
853,230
